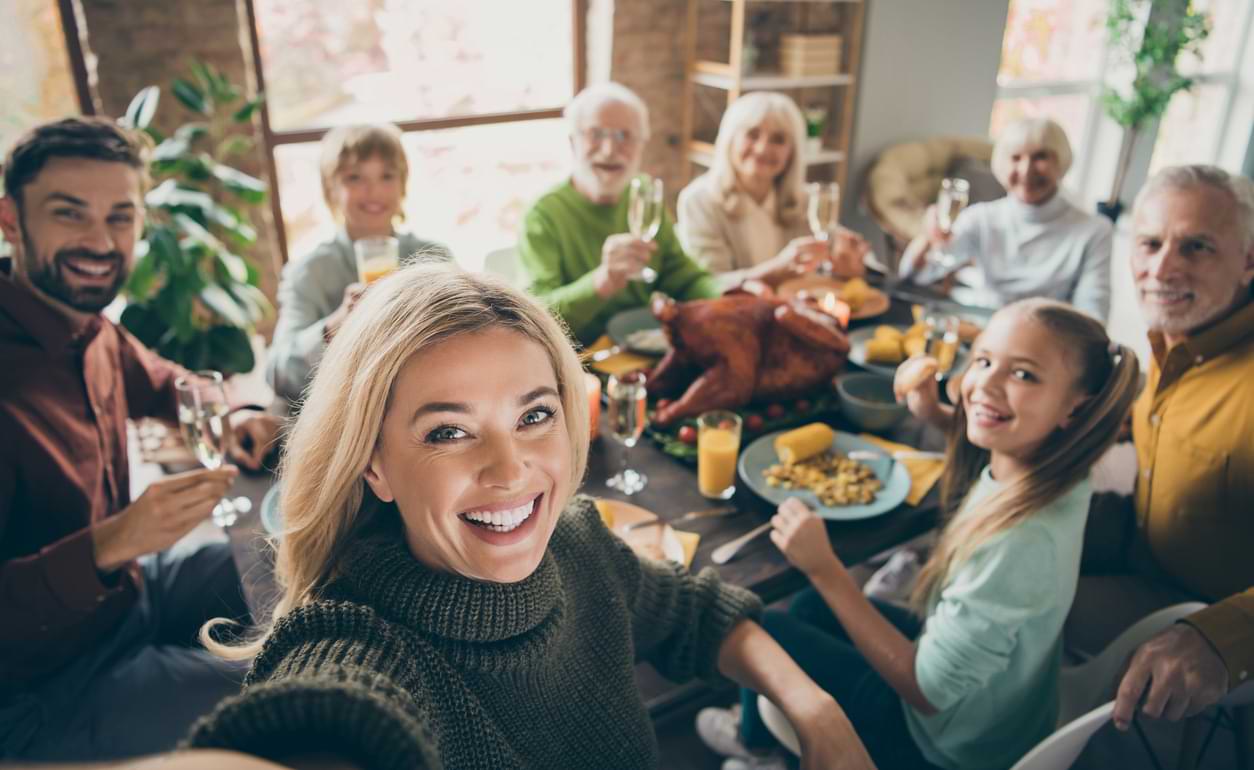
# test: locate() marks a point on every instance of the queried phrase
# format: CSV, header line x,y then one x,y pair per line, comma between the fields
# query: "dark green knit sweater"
x,y
403,667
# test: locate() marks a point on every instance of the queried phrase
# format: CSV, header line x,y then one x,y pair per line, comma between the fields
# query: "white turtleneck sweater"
x,y
1019,250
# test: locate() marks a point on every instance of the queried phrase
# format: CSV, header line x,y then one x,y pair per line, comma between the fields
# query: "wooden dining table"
x,y
671,492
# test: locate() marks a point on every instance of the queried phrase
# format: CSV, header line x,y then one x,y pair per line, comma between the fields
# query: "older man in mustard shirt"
x,y
1193,426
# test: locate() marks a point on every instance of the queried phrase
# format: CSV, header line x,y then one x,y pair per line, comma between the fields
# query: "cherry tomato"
x,y
802,405
754,423
688,434
776,411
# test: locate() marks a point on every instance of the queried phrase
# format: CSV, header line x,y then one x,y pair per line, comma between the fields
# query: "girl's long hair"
x,y
325,501
745,113
1108,374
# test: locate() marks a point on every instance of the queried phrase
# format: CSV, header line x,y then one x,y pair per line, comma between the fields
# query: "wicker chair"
x,y
905,179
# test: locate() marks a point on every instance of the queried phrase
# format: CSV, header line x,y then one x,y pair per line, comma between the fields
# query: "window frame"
x,y
272,139
1097,125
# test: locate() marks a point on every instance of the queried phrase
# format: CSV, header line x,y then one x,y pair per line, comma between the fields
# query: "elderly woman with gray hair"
x,y
1033,242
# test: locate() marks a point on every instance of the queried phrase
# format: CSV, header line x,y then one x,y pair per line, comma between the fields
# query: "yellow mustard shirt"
x,y
1194,432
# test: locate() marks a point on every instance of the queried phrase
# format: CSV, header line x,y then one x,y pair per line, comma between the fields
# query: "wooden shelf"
x,y
702,153
718,75
835,92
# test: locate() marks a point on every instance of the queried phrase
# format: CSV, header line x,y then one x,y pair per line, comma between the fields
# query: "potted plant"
x,y
191,296
1145,45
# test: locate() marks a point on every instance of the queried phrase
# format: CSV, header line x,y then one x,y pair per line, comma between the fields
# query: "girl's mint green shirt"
x,y
989,655
560,247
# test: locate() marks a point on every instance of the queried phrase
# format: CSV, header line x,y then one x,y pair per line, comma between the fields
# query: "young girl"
x,y
364,173
974,684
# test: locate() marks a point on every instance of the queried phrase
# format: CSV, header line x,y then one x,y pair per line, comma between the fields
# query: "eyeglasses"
x,y
618,136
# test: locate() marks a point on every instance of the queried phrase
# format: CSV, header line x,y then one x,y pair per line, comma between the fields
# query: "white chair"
x,y
504,262
1081,689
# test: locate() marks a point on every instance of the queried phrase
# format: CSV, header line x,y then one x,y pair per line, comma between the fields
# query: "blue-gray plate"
x,y
760,455
271,520
628,322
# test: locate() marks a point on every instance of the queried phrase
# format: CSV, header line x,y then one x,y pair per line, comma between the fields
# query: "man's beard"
x,y
49,276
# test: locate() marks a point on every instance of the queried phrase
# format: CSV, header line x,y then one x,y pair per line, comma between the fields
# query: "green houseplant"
x,y
1146,44
191,296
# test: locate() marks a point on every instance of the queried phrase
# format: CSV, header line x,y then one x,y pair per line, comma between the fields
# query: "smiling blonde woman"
x,y
746,217
447,601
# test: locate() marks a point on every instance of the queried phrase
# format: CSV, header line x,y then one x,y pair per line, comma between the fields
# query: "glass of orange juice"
x,y
718,443
376,257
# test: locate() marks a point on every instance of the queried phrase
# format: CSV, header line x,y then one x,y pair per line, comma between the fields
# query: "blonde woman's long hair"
x,y
325,501
1108,374
746,112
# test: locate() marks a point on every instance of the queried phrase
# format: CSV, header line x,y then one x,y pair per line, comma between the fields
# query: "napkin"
x,y
623,362
924,473
689,541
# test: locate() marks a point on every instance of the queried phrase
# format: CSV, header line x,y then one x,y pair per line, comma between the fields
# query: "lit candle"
x,y
592,384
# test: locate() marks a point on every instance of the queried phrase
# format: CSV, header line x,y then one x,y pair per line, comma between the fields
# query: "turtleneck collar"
x,y
1041,213
386,576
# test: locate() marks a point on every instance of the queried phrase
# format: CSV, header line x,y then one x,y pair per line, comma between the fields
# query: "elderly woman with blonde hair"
x,y
1031,243
746,217
447,600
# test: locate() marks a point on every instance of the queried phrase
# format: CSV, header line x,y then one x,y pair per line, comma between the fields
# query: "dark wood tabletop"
x,y
671,492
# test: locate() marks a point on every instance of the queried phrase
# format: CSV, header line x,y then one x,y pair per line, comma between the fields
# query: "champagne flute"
x,y
953,198
644,214
942,340
626,398
204,417
823,211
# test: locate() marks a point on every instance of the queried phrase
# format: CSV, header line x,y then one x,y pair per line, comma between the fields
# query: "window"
x,y
36,82
1051,63
1211,122
476,87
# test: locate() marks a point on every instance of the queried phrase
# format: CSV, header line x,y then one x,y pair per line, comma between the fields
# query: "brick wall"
x,y
137,43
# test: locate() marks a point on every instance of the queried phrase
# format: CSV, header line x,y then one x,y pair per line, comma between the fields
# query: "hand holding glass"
x,y
204,418
376,257
952,199
645,204
823,212
626,401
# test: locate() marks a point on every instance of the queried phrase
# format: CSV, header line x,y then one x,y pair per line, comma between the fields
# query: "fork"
x,y
727,551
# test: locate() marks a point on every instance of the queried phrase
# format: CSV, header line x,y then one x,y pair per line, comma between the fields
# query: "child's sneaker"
x,y
893,581
719,729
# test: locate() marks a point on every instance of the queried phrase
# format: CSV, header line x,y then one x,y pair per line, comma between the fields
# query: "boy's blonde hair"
x,y
353,144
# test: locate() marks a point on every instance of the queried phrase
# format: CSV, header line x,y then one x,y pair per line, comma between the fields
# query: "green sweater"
x,y
399,666
990,653
560,246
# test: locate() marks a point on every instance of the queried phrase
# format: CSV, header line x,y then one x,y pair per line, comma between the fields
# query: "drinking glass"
x,y
952,199
718,443
204,418
823,211
644,214
626,396
942,340
376,257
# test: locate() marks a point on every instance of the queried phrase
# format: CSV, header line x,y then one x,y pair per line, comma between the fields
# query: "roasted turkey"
x,y
740,347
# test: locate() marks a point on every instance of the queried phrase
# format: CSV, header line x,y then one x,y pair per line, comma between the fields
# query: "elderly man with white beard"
x,y
575,244
1189,531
